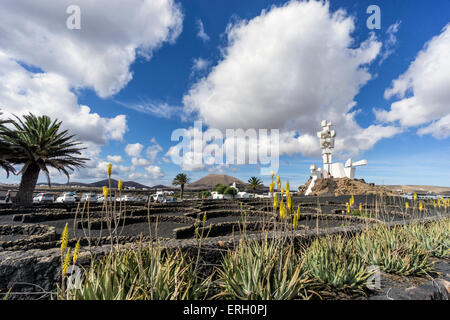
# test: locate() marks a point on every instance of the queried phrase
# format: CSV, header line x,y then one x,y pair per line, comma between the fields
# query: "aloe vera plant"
x,y
393,250
147,274
332,261
433,237
263,270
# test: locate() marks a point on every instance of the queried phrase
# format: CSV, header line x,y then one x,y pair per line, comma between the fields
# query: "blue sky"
x,y
170,57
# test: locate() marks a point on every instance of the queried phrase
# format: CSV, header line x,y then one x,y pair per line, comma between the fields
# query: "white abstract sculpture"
x,y
327,144
330,169
350,167
316,173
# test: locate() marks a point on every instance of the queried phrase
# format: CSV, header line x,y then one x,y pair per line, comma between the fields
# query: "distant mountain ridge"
x,y
211,180
101,183
114,183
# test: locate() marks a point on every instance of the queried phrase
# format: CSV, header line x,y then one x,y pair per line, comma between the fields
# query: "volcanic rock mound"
x,y
344,186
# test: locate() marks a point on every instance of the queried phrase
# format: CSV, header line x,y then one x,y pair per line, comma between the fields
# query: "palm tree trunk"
x,y
182,191
27,185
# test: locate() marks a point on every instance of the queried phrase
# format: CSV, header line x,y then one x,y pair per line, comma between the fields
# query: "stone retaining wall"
x,y
19,269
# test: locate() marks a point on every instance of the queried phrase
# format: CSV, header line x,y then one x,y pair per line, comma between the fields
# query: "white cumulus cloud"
x,y
134,149
22,91
43,64
139,162
155,172
423,90
201,31
200,64
113,33
152,150
114,158
289,68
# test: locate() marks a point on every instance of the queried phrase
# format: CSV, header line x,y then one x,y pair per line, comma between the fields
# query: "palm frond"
x,y
180,180
39,140
6,150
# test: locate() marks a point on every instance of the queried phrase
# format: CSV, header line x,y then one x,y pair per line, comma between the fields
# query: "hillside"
x,y
99,184
114,183
161,186
211,180
419,188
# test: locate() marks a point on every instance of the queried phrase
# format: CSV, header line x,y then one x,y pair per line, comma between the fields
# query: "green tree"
x,y
220,188
230,191
40,143
180,180
254,183
6,150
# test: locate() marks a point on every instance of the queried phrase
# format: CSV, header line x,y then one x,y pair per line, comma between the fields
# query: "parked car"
x,y
90,197
44,198
101,198
142,199
158,197
75,195
126,198
66,198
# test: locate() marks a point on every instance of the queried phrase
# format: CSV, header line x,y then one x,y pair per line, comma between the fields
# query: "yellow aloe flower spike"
x,y
204,217
271,187
120,184
295,222
66,262
348,207
278,179
275,201
420,206
282,210
108,169
76,252
64,238
298,212
289,203
287,186
407,205
360,207
271,174
282,192
105,192
415,196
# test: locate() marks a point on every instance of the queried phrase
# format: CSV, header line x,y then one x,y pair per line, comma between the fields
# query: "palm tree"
x,y
180,180
254,183
39,143
231,191
6,151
